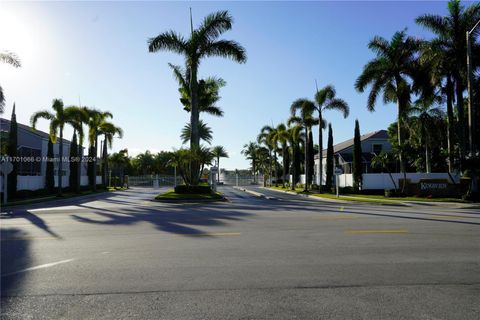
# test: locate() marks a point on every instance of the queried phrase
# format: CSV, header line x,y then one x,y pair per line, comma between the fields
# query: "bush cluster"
x,y
200,189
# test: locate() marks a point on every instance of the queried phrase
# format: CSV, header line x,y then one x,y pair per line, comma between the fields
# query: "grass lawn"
x,y
410,198
172,195
370,198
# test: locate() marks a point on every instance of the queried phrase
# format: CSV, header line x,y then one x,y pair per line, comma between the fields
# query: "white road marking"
x,y
42,266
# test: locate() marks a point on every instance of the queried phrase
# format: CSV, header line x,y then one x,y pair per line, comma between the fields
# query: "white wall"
x,y
38,182
383,180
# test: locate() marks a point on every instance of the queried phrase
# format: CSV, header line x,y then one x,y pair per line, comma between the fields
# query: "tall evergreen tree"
x,y
50,174
73,177
311,158
90,171
329,178
12,152
357,158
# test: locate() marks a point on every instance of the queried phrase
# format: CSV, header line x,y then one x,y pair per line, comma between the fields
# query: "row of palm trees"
x,y
295,136
77,116
419,76
433,72
198,95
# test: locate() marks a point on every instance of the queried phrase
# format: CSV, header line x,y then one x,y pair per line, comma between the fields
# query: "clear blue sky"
x,y
98,52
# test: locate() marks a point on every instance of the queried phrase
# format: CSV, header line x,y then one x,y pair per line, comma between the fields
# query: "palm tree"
x,y
250,152
219,152
395,71
204,131
294,139
264,160
11,59
424,123
267,137
325,100
95,120
306,120
208,92
383,161
203,42
78,117
282,135
437,58
451,31
58,120
108,130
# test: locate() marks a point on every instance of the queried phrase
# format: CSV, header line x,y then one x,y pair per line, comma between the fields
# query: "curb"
x,y
254,193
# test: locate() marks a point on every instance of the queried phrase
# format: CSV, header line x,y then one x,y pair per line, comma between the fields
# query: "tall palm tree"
x,y
267,137
58,120
425,118
109,131
95,120
208,92
325,100
250,152
203,42
395,72
451,31
294,139
11,59
204,131
282,135
437,57
78,117
305,108
219,152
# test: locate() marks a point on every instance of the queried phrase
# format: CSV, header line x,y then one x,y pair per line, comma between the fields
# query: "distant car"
x,y
220,183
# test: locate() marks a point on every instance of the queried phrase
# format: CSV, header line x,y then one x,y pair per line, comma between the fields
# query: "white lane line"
x,y
42,266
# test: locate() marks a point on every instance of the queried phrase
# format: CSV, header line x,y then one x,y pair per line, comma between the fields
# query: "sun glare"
x,y
16,34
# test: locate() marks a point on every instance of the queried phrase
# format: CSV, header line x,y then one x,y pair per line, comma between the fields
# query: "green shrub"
x,y
200,189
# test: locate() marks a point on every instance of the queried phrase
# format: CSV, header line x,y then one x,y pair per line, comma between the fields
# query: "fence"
x,y
153,181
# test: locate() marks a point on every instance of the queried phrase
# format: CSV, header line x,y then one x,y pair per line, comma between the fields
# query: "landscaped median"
x,y
201,193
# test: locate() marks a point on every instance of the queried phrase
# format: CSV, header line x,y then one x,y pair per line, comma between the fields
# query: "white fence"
x,y
372,181
38,182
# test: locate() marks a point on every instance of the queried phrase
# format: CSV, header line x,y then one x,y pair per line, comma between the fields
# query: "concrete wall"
x,y
372,181
38,182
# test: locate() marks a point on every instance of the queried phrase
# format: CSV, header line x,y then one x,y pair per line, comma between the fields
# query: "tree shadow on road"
x,y
177,220
15,250
35,220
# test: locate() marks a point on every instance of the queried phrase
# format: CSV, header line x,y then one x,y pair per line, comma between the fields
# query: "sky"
x,y
96,54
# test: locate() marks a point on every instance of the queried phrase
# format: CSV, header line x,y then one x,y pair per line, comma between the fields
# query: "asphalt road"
x,y
122,256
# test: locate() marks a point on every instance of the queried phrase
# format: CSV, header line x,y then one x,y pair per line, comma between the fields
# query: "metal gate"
x,y
153,181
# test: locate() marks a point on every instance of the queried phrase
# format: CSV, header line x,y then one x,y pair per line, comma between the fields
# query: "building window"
x,y
30,164
377,148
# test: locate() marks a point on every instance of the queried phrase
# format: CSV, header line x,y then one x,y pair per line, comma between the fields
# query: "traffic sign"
x,y
6,167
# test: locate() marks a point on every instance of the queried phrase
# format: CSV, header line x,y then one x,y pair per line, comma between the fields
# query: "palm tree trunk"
x,y
95,163
285,150
218,169
60,163
294,165
461,117
194,120
450,129
79,168
306,159
105,163
320,151
275,167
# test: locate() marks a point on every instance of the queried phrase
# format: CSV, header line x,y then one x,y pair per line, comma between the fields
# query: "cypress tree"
x,y
329,173
357,158
311,158
73,177
49,174
12,152
91,178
